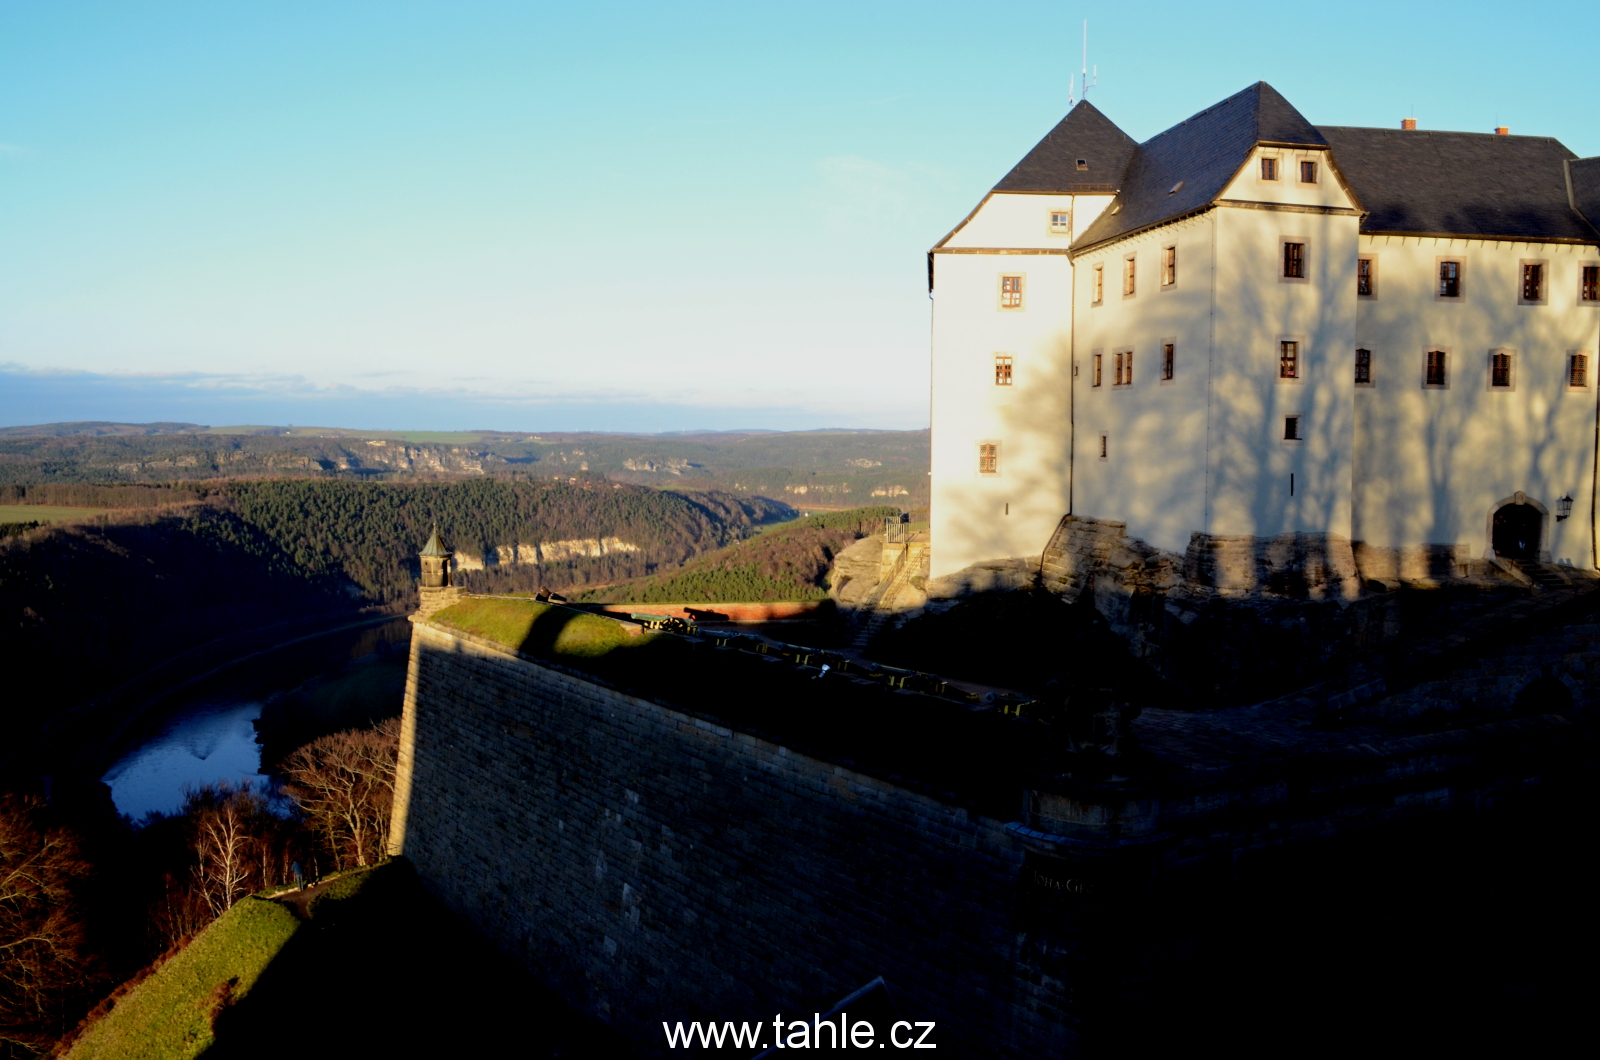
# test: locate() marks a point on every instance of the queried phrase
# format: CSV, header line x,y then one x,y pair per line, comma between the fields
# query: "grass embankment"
x,y
786,562
173,1012
372,966
542,629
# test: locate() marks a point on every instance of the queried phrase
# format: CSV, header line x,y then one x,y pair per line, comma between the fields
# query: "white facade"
x,y
1235,444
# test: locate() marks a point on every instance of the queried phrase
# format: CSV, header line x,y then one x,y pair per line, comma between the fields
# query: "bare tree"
x,y
43,962
344,784
239,846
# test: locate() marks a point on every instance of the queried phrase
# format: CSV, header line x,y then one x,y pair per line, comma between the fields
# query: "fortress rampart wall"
x,y
651,864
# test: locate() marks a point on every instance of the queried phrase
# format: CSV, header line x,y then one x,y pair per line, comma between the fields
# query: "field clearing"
x,y
48,513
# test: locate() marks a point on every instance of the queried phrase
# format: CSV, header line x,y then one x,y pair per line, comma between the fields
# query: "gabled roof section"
x,y
1583,177
1052,165
1476,185
1204,153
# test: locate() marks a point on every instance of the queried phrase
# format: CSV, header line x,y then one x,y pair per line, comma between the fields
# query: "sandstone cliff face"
x,y
855,573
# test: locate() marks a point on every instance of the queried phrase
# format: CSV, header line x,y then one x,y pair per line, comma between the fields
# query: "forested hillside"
x,y
370,533
785,563
83,608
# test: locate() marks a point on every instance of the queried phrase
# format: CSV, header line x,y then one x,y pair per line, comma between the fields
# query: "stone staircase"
x,y
881,609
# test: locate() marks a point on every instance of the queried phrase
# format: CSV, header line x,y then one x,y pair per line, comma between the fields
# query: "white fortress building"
x,y
1382,342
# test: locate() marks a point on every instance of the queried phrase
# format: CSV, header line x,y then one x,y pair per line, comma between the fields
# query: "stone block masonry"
x,y
657,866
652,863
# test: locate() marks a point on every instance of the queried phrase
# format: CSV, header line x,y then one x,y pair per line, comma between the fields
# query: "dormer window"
x,y
1269,169
1083,163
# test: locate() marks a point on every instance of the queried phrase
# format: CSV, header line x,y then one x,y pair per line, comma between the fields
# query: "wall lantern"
x,y
1563,508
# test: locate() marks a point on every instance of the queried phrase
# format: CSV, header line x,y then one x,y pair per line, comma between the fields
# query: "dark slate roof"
x,y
1052,166
1585,176
434,547
1204,152
1458,184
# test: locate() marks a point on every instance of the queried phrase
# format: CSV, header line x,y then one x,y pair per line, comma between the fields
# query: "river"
x,y
219,729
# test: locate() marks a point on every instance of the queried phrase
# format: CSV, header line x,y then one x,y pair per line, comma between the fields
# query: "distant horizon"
x,y
405,433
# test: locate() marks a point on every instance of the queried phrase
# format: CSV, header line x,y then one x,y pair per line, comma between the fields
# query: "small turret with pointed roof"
x,y
435,563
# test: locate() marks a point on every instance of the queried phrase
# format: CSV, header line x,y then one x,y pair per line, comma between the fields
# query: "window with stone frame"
x,y
1169,266
1449,279
1099,283
1122,366
1363,367
1169,352
988,458
1294,261
1291,428
1060,222
1308,172
1364,278
1129,272
1095,370
1002,370
1434,370
1269,168
1500,369
1011,292
1289,359
1532,281
1589,283
1578,371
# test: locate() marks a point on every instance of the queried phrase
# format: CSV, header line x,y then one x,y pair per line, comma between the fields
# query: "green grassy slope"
x,y
379,969
170,1014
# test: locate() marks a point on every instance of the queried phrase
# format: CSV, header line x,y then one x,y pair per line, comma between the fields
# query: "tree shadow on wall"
x,y
390,972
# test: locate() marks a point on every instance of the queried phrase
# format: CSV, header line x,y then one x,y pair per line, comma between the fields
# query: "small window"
x,y
1169,266
1532,281
988,458
1450,279
1291,428
1589,283
1099,283
1083,163
1363,367
1099,361
1128,273
1122,368
1434,373
1364,286
1060,222
1294,261
1308,172
1288,359
1102,447
1011,292
1269,169
1500,370
1578,371
1168,355
1002,370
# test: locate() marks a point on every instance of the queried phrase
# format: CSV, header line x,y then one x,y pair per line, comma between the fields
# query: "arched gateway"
x,y
1516,531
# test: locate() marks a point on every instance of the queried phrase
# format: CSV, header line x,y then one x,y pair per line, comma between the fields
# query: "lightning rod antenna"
x,y
1086,81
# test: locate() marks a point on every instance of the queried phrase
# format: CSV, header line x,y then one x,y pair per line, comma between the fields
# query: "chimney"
x,y
1502,130
1408,123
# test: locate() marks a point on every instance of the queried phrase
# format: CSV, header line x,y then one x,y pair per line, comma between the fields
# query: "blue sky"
x,y
604,216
